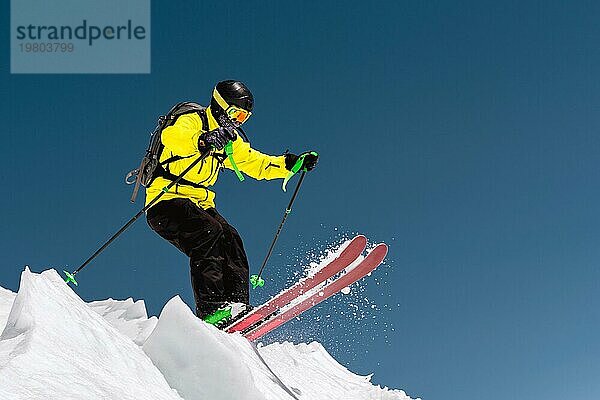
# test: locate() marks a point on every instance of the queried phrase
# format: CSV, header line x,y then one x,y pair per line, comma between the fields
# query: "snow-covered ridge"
x,y
56,346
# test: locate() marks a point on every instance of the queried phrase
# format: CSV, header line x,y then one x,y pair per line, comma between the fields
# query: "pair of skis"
x,y
290,303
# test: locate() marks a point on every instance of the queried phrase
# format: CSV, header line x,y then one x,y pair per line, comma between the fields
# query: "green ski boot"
x,y
227,314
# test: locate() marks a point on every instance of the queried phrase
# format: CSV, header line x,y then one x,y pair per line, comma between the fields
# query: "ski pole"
x,y
256,280
70,277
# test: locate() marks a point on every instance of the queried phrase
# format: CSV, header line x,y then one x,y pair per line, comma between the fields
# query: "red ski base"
x,y
350,253
365,267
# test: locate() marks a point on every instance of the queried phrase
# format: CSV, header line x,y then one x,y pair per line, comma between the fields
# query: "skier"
x,y
186,216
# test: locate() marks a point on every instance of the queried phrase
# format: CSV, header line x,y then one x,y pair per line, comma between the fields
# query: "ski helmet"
x,y
232,99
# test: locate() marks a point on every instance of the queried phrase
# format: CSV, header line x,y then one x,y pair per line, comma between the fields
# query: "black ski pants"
x,y
218,264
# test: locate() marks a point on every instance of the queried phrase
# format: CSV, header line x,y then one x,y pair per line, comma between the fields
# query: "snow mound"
x,y
311,363
127,316
55,346
6,301
196,359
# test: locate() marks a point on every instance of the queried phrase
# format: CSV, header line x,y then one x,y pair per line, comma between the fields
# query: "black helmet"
x,y
229,95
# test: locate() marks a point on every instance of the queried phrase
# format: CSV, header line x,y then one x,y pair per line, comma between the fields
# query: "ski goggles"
x,y
237,114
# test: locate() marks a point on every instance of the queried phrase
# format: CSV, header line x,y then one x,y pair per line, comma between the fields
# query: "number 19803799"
x,y
56,47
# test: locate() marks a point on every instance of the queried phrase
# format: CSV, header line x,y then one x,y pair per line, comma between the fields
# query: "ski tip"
x,y
357,244
379,252
361,239
358,236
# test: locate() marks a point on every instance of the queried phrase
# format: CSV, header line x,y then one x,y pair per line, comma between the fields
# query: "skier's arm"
x,y
256,164
181,138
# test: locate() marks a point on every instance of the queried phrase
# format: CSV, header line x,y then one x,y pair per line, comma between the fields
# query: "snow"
x,y
127,316
6,300
311,363
197,359
56,346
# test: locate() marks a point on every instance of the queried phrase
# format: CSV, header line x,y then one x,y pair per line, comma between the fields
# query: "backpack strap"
x,y
173,159
165,173
203,118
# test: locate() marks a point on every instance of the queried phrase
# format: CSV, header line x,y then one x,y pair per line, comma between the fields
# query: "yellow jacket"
x,y
181,139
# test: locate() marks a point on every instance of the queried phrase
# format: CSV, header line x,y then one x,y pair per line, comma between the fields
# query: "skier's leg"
x,y
165,217
236,269
197,234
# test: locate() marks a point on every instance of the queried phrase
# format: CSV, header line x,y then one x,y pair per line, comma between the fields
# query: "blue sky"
x,y
465,135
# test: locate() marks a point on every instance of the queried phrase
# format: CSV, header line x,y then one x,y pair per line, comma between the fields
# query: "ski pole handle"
x,y
296,167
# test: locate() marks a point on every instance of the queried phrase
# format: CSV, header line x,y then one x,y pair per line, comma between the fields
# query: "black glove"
x,y
310,160
226,122
217,138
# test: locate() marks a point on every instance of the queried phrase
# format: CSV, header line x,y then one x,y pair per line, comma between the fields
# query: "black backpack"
x,y
151,167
